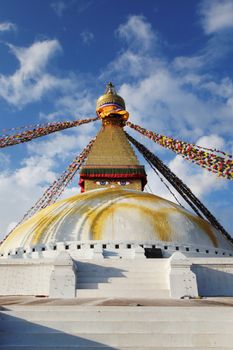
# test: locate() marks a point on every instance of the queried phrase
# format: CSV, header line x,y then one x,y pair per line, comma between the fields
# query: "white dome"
x,y
115,214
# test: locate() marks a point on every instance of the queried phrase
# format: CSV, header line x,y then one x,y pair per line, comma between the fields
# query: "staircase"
x,y
64,327
116,278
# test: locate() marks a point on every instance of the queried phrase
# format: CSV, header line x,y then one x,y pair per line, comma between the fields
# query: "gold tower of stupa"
x,y
112,161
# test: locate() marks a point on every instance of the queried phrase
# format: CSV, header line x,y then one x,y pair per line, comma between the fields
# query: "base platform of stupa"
x,y
116,303
117,270
38,323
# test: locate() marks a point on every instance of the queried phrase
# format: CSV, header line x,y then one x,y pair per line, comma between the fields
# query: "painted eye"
x,y
102,182
123,183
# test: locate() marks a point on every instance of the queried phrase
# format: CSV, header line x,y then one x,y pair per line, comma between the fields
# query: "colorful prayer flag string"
x,y
40,130
198,207
54,191
204,157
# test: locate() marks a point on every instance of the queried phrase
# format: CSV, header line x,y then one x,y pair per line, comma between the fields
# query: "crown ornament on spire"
x,y
111,107
110,89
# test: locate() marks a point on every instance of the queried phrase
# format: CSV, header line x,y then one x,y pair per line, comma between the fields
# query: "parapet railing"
x,y
78,247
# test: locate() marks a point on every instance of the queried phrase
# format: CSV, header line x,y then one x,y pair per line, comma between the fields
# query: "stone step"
x,y
122,293
121,327
119,271
96,347
134,265
122,274
127,285
120,280
144,340
117,313
104,267
126,262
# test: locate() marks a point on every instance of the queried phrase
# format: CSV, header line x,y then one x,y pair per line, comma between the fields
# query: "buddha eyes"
x,y
105,182
123,183
102,182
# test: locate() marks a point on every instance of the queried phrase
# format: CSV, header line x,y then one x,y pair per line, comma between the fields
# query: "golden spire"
x,y
112,161
110,107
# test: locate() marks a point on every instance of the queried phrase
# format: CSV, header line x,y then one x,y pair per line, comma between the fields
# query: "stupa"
x,y
113,206
113,241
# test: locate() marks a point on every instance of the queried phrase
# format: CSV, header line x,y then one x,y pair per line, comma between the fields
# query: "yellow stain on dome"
x,y
204,226
94,207
29,225
159,219
42,220
42,226
45,221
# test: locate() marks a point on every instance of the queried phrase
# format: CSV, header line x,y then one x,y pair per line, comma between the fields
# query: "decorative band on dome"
x,y
110,100
111,104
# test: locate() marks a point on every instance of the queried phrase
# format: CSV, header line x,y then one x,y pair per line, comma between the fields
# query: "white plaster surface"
x,y
122,278
182,281
111,214
94,327
214,276
121,273
62,280
25,276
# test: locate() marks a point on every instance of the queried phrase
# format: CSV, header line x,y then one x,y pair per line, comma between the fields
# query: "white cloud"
x,y
222,89
131,64
64,145
188,63
162,103
87,37
137,33
7,26
20,189
78,104
199,180
155,186
35,171
216,15
211,141
171,96
4,160
59,7
53,116
216,18
31,81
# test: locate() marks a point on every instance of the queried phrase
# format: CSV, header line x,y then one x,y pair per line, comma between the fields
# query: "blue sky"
x,y
170,60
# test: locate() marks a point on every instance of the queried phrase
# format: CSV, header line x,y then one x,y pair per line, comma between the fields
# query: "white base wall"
x,y
214,276
25,276
132,276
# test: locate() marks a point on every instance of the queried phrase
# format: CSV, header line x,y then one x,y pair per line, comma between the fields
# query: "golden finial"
x,y
111,105
110,89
